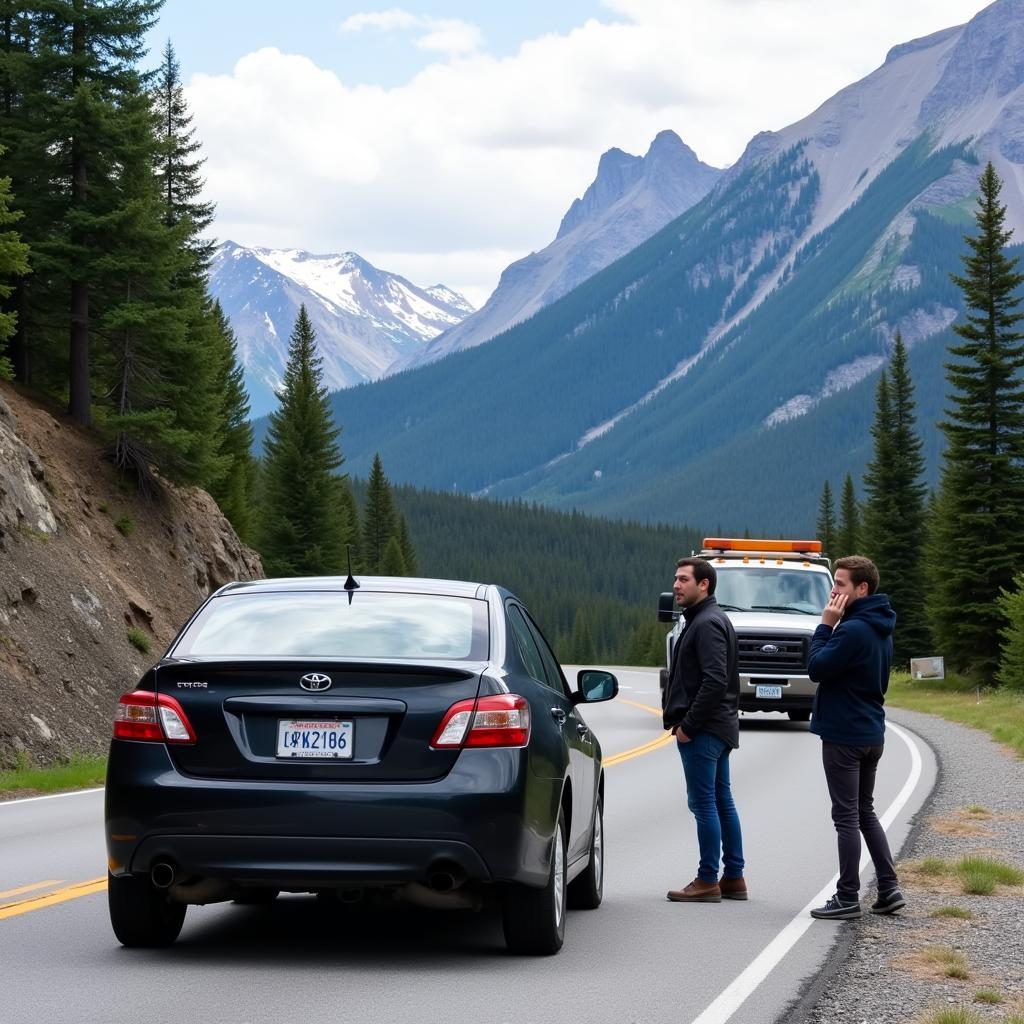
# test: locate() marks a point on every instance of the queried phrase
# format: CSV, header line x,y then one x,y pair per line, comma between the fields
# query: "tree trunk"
x,y
79,399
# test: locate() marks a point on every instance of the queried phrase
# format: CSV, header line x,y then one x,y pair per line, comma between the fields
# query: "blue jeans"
x,y
709,796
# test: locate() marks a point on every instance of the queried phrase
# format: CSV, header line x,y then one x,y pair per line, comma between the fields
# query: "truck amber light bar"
x,y
747,544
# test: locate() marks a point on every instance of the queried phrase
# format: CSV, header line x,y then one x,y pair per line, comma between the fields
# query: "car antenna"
x,y
350,583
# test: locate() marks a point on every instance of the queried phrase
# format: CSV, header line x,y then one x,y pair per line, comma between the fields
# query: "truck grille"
x,y
789,656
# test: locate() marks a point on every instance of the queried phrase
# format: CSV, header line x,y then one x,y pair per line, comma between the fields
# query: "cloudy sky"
x,y
444,140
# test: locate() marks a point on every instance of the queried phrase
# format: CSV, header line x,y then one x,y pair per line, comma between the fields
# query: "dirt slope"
x,y
84,559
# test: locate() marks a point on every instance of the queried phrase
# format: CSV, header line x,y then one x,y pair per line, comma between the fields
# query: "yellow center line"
x,y
87,888
28,888
69,892
646,748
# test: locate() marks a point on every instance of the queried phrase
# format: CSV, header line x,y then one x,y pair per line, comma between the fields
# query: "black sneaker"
x,y
888,902
836,909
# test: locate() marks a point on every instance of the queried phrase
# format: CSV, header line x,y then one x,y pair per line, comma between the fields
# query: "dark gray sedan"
x,y
363,740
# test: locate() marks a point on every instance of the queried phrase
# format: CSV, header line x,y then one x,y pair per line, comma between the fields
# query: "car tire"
x,y
586,890
534,919
799,716
140,913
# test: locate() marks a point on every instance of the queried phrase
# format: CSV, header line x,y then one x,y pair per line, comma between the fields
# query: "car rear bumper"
x,y
308,862
476,819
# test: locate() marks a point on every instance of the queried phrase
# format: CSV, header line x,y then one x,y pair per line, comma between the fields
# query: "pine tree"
x,y
178,165
393,564
848,534
27,161
826,525
380,521
978,543
894,509
408,551
582,642
13,263
302,533
88,54
234,489
1011,664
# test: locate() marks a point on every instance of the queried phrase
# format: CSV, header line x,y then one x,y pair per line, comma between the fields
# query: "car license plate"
x,y
769,692
307,739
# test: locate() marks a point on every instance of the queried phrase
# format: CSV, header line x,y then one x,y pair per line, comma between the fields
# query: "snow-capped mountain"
x,y
366,319
725,368
631,198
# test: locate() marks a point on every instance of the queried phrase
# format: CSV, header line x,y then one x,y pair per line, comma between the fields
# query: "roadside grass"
x,y
981,875
999,712
943,961
974,875
26,779
960,913
952,1015
988,995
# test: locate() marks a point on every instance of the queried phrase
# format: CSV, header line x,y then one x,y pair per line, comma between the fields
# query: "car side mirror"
x,y
667,607
594,685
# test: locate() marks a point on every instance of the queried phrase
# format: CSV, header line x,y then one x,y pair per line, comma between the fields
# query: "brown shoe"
x,y
696,892
733,888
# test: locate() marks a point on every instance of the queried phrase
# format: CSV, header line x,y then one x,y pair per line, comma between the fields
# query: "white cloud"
x,y
472,162
439,35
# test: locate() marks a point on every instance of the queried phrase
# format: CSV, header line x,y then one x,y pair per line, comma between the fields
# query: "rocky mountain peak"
x,y
987,61
617,172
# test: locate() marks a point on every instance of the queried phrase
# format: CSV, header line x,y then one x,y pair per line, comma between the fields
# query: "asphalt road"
x,y
637,958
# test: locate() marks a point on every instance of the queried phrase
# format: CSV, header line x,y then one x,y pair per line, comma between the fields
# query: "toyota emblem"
x,y
766,649
315,681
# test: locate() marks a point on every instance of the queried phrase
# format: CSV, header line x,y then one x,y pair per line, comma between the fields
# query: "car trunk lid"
x,y
292,719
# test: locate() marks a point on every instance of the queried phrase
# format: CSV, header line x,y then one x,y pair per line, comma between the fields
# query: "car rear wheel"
x,y
587,889
534,919
140,913
799,716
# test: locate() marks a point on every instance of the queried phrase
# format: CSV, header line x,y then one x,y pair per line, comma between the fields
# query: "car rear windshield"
x,y
797,591
339,625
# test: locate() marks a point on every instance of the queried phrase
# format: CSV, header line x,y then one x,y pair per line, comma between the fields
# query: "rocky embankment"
x,y
91,572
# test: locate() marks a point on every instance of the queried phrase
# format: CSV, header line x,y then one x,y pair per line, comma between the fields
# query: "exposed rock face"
x,y
83,560
631,198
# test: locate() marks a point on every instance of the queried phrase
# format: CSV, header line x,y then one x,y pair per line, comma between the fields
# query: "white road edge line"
x,y
49,796
730,1000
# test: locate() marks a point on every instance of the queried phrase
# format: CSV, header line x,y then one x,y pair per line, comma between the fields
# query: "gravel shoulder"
x,y
877,972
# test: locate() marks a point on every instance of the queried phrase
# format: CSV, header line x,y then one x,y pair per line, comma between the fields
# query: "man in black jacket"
x,y
851,654
702,711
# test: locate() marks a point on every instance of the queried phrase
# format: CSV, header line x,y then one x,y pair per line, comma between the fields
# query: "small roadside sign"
x,y
928,668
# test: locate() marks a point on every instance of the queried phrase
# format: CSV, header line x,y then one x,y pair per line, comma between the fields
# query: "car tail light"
x,y
499,721
142,715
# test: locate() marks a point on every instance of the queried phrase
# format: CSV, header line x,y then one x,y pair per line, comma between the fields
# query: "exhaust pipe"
x,y
162,874
445,876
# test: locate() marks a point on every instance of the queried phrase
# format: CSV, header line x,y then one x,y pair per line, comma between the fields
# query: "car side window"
x,y
527,645
556,680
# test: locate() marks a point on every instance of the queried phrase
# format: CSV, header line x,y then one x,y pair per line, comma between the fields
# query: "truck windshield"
x,y
775,589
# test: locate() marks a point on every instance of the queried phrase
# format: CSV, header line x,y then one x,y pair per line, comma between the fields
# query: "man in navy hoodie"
x,y
851,654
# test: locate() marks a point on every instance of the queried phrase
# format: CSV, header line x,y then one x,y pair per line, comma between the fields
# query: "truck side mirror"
x,y
667,607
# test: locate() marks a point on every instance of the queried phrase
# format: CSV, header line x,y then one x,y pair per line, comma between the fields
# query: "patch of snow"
x,y
269,324
798,405
839,379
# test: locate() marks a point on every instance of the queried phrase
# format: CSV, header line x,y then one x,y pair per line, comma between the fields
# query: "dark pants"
x,y
850,774
709,796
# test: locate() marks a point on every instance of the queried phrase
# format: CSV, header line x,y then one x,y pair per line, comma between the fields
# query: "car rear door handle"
x,y
558,715
582,729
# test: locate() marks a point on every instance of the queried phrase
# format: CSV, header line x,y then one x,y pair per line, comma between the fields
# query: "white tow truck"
x,y
773,592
